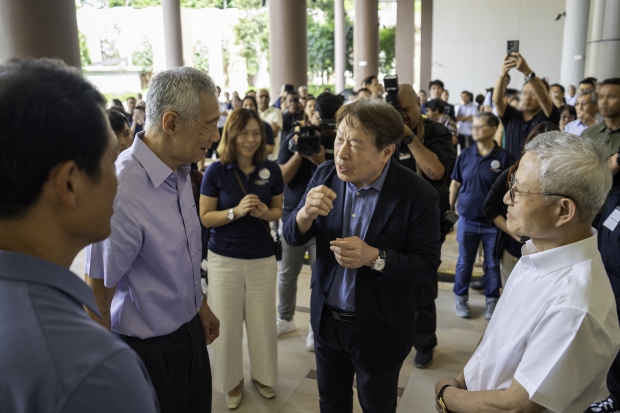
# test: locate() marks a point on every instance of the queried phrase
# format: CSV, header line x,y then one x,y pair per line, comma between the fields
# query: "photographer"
x,y
297,171
293,112
431,154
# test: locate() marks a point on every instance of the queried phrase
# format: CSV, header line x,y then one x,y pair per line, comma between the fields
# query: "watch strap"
x,y
440,400
408,139
618,157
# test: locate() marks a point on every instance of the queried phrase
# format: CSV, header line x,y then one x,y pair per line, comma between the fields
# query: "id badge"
x,y
612,220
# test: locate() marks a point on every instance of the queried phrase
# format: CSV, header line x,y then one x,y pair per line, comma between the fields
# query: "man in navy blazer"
x,y
376,225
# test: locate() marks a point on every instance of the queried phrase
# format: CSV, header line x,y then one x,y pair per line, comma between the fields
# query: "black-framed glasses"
x,y
512,190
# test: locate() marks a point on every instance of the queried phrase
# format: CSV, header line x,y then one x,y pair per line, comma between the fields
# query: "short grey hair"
x,y
574,166
177,90
593,95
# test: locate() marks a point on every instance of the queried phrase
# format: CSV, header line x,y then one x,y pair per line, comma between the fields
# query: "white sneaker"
x,y
284,326
310,339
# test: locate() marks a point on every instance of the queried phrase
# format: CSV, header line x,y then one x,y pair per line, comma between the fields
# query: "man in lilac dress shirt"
x,y
146,275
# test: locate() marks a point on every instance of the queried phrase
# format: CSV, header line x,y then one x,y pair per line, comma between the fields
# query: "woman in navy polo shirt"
x,y
241,260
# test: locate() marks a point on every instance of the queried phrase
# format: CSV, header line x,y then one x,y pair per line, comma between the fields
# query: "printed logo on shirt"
x,y
264,173
495,166
261,182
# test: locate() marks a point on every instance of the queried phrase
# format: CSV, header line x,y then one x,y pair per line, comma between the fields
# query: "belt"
x,y
341,315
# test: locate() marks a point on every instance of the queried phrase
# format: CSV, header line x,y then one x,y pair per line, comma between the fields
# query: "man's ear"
x,y
64,184
171,122
389,150
567,212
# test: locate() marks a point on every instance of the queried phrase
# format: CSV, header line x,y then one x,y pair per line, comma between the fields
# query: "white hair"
x,y
177,90
575,166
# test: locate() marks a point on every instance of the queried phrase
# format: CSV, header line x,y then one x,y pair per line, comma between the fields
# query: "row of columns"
x,y
49,29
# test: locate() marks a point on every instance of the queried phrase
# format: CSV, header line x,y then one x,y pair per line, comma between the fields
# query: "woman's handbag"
x,y
277,241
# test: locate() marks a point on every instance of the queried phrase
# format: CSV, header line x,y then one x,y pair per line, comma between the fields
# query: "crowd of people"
x,y
365,189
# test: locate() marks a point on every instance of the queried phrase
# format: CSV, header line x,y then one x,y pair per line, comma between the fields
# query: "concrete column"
x,y
288,44
426,44
405,44
340,45
574,42
603,47
173,36
34,28
366,40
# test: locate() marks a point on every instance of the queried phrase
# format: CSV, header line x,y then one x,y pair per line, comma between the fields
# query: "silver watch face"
x,y
231,214
379,264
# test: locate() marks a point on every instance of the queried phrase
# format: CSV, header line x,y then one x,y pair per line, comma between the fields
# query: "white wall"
x,y
469,41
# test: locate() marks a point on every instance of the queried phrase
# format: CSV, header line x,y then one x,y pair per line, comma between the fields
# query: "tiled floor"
x,y
296,389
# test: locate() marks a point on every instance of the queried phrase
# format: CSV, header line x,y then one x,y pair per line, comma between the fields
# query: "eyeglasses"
x,y
254,134
478,127
512,191
263,96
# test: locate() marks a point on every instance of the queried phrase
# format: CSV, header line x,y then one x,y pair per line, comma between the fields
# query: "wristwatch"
x,y
529,77
204,295
231,214
379,263
409,139
440,402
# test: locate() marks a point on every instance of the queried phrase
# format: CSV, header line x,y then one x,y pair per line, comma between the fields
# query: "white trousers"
x,y
243,290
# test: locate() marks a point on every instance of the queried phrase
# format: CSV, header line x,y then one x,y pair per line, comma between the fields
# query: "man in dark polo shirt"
x,y
609,247
55,201
536,104
475,171
297,171
431,155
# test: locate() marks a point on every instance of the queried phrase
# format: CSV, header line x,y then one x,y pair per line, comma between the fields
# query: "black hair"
x,y
546,84
471,95
480,99
436,104
327,104
291,92
509,92
589,81
507,75
117,102
252,98
364,89
569,108
560,86
117,119
488,117
611,81
288,87
36,96
436,82
130,97
368,80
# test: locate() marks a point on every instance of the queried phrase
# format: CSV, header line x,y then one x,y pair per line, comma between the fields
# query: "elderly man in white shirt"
x,y
554,333
271,115
586,112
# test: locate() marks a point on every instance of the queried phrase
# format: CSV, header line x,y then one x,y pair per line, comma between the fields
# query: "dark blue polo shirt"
x,y
609,241
477,175
244,238
296,188
517,129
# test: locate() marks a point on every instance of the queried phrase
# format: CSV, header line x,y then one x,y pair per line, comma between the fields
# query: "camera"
x,y
390,84
309,137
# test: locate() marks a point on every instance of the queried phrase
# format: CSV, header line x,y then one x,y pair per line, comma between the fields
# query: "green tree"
x,y
144,58
252,35
320,48
201,57
84,53
387,49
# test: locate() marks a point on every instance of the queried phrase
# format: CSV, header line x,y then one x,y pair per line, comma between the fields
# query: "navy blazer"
x,y
405,223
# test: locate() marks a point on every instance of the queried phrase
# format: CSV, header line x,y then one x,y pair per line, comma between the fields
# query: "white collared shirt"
x,y
555,329
270,115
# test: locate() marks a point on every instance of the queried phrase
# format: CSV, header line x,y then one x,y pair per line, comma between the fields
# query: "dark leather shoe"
x,y
423,360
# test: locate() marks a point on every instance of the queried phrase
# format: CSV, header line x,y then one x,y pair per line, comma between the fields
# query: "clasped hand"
x,y
251,204
353,252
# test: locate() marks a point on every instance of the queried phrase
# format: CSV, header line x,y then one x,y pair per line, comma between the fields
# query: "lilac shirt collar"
x,y
155,168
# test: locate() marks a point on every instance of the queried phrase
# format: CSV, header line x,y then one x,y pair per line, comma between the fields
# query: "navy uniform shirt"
x,y
244,238
609,241
477,174
517,128
53,357
296,188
